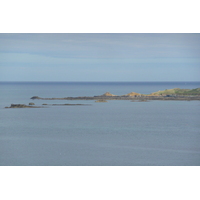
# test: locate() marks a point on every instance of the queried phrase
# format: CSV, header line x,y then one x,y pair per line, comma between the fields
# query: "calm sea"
x,y
121,133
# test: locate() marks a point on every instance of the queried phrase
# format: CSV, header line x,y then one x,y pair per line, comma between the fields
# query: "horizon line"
x,y
97,81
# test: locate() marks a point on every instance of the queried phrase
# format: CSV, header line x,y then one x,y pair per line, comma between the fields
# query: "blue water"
x,y
115,133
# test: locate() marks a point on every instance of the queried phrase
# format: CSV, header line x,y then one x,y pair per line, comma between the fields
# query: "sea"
x,y
115,133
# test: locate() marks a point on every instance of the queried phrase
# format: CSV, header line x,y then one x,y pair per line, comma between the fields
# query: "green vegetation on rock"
x,y
177,91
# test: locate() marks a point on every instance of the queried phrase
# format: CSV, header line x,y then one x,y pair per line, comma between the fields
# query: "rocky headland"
x,y
175,94
168,94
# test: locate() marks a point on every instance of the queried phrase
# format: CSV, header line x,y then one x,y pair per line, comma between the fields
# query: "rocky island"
x,y
168,94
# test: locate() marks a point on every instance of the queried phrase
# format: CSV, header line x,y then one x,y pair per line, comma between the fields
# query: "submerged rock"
x,y
101,101
140,100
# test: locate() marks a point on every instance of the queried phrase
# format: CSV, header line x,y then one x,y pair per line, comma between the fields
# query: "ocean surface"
x,y
116,133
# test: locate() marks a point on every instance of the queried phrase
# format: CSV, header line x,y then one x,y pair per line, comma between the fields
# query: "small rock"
x,y
108,94
35,97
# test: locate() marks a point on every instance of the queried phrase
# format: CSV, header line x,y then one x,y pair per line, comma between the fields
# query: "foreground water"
x,y
113,133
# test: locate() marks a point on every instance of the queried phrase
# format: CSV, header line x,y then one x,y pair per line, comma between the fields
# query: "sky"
x,y
99,57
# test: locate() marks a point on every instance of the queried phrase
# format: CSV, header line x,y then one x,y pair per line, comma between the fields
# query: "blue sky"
x,y
99,57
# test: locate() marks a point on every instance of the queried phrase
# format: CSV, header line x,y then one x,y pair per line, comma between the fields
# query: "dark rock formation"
x,y
35,97
21,106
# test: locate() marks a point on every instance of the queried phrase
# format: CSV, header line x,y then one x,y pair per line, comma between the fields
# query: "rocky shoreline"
x,y
166,95
103,98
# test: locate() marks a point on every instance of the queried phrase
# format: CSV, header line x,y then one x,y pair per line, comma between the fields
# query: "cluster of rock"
x,y
22,106
31,105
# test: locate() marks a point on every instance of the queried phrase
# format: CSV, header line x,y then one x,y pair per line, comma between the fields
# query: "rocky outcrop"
x,y
108,94
31,104
35,97
133,94
21,106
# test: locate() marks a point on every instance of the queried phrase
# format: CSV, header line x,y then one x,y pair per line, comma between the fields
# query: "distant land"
x,y
168,94
178,91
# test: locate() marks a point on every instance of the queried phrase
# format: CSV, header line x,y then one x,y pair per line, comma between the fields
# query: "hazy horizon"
x,y
102,81
100,57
